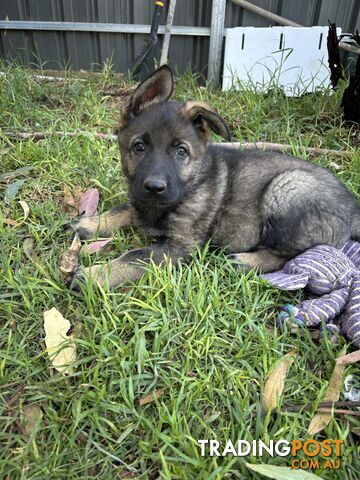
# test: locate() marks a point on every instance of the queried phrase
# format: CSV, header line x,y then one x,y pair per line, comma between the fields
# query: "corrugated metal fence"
x,y
88,50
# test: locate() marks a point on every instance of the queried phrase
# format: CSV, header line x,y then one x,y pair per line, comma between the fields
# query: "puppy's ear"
x,y
203,117
155,89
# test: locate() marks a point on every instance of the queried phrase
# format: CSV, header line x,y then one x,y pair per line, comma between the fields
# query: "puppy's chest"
x,y
187,224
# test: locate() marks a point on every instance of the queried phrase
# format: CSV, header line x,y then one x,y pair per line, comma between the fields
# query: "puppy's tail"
x,y
355,225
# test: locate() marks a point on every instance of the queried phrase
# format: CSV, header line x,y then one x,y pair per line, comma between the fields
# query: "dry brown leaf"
x,y
25,208
56,328
28,247
275,382
72,200
70,259
97,246
152,396
89,202
31,418
352,357
9,221
332,394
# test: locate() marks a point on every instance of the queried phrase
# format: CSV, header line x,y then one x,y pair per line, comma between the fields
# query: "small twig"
x,y
349,358
277,147
355,413
48,78
330,406
12,384
42,135
14,399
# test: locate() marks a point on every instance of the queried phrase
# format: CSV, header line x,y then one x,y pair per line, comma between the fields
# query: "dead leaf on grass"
x,y
72,200
9,221
275,382
96,246
28,247
89,202
151,397
13,189
31,418
25,208
20,172
70,259
352,357
332,394
56,328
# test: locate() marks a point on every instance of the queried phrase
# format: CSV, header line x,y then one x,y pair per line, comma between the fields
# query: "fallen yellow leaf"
x,y
152,396
25,208
332,394
56,328
31,418
275,382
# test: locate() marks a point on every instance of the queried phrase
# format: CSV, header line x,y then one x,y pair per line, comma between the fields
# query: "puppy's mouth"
x,y
146,200
151,201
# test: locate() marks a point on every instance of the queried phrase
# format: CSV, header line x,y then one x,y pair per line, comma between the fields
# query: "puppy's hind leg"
x,y
263,260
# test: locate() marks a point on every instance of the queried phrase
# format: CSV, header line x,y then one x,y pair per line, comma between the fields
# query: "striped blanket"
x,y
332,276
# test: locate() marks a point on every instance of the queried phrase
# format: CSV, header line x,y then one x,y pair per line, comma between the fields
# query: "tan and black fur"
x,y
263,207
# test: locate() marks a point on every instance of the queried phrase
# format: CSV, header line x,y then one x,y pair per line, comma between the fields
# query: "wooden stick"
x,y
352,357
266,14
48,78
355,413
42,135
275,147
168,27
328,405
279,147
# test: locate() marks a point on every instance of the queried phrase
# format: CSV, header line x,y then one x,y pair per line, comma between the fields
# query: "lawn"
x,y
201,336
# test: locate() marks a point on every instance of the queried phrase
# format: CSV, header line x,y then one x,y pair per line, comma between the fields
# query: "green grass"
x,y
202,332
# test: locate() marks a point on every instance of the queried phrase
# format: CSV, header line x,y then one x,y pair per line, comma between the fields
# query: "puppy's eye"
x,y
182,152
138,146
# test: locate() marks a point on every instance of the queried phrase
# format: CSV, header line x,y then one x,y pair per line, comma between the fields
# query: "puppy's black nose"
x,y
155,185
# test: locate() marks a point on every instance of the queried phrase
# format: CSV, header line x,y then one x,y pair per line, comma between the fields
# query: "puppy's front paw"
x,y
85,227
95,274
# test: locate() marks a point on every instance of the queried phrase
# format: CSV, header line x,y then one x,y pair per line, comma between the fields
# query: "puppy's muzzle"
x,y
155,185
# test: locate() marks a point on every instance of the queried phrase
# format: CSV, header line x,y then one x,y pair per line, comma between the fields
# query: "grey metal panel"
x,y
17,45
343,13
82,47
116,48
253,20
88,50
50,47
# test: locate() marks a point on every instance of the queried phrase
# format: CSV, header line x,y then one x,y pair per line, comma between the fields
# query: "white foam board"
x,y
294,58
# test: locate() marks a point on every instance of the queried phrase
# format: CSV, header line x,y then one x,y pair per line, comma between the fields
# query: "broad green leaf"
x,y
5,177
12,189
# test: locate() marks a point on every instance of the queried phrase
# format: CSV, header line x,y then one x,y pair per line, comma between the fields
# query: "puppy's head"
x,y
163,144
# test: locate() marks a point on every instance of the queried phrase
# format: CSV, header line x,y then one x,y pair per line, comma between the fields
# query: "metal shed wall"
x,y
89,50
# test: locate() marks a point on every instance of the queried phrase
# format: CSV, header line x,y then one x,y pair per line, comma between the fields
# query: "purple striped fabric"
x,y
333,276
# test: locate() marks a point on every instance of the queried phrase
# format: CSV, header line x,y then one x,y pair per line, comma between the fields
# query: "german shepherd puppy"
x,y
264,207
